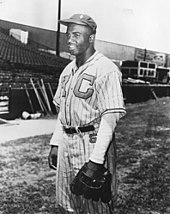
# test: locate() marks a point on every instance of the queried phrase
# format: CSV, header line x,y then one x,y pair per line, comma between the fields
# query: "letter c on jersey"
x,y
83,88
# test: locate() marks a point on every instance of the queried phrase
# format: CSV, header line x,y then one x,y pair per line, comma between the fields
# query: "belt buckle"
x,y
78,131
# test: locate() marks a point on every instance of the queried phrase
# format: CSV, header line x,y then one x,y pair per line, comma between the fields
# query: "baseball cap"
x,y
80,19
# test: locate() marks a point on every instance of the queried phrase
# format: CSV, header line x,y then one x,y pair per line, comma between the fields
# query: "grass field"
x,y
27,185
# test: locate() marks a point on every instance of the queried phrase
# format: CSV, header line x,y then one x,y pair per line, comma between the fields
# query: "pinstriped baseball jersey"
x,y
87,92
84,94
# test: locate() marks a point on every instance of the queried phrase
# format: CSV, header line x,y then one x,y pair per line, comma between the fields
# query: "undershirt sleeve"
x,y
104,137
57,136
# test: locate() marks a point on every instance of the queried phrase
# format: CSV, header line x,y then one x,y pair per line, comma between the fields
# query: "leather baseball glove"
x,y
93,181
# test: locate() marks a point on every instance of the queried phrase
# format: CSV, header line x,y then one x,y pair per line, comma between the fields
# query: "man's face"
x,y
78,39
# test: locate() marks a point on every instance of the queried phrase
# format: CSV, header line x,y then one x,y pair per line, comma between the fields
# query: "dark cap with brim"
x,y
80,19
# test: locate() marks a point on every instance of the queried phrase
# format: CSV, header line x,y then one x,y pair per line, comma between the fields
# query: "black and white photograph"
x,y
84,107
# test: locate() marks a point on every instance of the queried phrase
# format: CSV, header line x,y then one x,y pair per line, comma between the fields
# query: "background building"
x,y
30,68
44,38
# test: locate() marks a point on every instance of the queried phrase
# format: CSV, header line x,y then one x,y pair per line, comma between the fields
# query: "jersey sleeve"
x,y
110,95
61,86
57,96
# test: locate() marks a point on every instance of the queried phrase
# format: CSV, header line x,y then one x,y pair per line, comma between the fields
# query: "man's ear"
x,y
91,38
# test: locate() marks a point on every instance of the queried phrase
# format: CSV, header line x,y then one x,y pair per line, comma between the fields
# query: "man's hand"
x,y
52,158
93,181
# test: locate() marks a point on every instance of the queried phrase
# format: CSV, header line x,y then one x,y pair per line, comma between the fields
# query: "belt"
x,y
78,129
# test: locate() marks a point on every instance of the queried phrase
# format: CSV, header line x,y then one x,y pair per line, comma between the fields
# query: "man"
x,y
90,102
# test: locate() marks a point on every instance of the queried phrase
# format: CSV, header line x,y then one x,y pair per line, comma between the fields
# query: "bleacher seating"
x,y
20,62
15,53
21,66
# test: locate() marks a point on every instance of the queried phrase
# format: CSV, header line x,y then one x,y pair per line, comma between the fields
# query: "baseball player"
x,y
90,103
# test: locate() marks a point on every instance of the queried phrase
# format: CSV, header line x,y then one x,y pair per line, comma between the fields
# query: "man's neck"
x,y
80,60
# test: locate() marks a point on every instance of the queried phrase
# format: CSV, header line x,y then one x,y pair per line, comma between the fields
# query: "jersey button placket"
x,y
68,106
69,110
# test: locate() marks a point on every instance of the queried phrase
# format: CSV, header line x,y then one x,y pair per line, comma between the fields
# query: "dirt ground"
x,y
27,185
20,128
